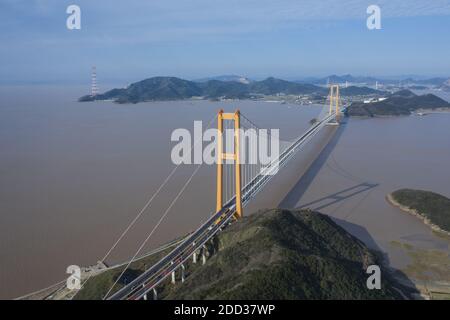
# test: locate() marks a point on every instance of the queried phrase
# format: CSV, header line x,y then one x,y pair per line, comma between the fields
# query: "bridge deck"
x,y
148,280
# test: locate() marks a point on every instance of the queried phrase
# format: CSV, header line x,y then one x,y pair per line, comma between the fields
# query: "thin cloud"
x,y
172,20
35,29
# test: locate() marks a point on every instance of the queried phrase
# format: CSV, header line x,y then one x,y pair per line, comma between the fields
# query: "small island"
x,y
432,208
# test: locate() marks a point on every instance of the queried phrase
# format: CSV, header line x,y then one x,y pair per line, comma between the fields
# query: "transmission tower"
x,y
94,87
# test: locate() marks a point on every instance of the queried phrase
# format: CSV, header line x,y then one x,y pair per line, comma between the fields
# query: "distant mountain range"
x,y
403,102
171,88
406,80
372,80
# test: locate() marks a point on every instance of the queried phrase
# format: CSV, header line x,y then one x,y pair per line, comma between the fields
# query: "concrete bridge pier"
x,y
203,255
182,273
173,275
155,294
145,295
194,257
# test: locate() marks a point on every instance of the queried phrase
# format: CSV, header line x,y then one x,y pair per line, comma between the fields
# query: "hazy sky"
x,y
134,39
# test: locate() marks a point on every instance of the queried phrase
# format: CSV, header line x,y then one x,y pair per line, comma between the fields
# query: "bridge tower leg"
x,y
236,118
237,155
219,200
337,101
337,105
334,101
331,98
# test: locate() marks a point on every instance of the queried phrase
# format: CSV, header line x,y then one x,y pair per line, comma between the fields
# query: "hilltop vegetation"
x,y
432,207
227,89
359,91
272,254
229,77
171,88
403,102
281,254
273,86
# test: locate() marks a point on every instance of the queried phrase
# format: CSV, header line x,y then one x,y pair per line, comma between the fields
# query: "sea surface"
x,y
74,175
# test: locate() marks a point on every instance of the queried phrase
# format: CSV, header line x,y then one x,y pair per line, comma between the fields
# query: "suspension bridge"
x,y
238,182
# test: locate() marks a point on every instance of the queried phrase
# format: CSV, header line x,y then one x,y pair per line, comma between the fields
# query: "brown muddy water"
x,y
73,175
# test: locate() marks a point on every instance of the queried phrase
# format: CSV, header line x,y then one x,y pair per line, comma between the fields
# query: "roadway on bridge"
x,y
139,287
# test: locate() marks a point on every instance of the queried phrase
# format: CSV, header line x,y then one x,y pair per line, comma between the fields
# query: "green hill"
x,y
403,102
281,254
405,93
432,207
272,85
354,91
227,89
272,254
157,88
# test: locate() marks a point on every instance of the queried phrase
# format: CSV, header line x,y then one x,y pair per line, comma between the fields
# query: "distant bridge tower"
x,y
334,99
94,87
235,117
334,104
